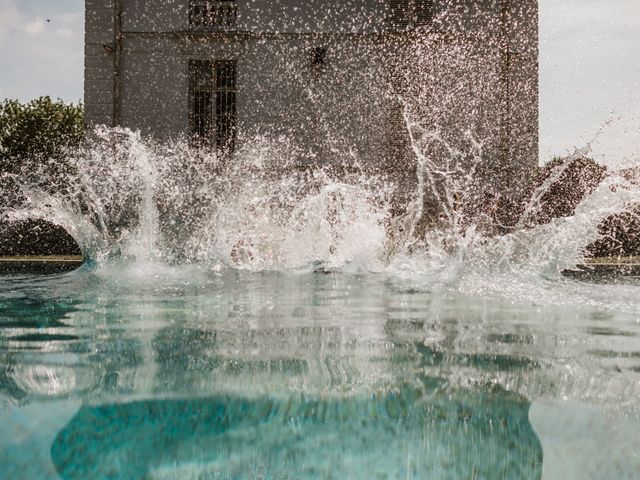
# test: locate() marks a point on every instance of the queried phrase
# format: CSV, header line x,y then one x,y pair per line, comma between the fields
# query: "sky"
x,y
590,78
589,68
39,57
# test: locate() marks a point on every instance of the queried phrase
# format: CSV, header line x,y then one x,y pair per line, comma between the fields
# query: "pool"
x,y
189,373
244,321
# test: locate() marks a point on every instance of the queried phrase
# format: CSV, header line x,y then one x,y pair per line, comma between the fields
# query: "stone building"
x,y
335,76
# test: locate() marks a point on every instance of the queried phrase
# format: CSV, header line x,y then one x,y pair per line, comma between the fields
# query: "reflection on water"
x,y
242,375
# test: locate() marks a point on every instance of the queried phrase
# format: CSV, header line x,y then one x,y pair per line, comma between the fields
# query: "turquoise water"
x,y
187,373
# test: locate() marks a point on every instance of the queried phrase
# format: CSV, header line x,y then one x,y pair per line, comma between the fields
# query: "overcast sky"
x,y
589,67
590,75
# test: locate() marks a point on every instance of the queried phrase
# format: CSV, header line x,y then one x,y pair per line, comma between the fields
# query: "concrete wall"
x,y
99,71
155,86
351,102
334,107
258,16
331,110
155,15
521,59
319,16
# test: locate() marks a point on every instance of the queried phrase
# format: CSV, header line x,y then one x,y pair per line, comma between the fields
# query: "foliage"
x,y
38,134
35,237
36,139
620,235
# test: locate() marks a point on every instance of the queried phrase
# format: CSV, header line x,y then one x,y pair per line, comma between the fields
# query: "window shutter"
x,y
218,14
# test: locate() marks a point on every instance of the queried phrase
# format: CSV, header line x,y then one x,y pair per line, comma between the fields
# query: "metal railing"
x,y
213,14
409,14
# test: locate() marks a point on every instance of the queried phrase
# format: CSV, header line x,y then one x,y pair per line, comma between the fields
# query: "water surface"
x,y
189,373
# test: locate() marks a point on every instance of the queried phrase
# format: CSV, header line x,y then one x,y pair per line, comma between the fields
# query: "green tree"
x,y
37,134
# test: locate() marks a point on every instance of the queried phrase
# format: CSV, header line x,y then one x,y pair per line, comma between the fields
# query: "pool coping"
x,y
606,267
594,267
40,264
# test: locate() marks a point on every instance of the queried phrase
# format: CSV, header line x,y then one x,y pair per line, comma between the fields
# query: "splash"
x,y
338,190
130,200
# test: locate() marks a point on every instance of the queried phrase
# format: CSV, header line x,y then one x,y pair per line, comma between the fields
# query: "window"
x,y
398,15
201,94
407,14
219,14
212,93
422,13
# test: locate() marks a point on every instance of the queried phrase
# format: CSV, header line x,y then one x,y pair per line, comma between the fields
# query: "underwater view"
x,y
347,261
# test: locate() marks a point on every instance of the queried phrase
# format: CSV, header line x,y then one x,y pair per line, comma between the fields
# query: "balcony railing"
x,y
213,14
409,14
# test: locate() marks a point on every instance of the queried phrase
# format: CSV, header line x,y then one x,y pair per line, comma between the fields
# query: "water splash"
x,y
152,206
135,201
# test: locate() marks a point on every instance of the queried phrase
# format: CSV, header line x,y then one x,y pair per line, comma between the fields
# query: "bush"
x,y
577,180
35,237
620,233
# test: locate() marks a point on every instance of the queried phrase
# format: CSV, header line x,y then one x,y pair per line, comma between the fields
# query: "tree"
x,y
40,133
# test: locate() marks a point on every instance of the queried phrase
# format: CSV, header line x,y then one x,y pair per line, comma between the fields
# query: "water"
x,y
247,319
234,325
192,374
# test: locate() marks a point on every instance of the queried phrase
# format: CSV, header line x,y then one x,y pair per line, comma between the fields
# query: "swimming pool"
x,y
189,373
249,321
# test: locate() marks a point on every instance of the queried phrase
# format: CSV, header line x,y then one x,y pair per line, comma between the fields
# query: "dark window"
x,y
222,14
422,13
212,93
398,15
407,14
319,55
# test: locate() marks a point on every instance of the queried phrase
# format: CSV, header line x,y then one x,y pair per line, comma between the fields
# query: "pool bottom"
x,y
247,376
402,434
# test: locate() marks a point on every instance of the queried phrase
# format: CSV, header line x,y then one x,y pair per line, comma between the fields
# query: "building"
x,y
333,75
